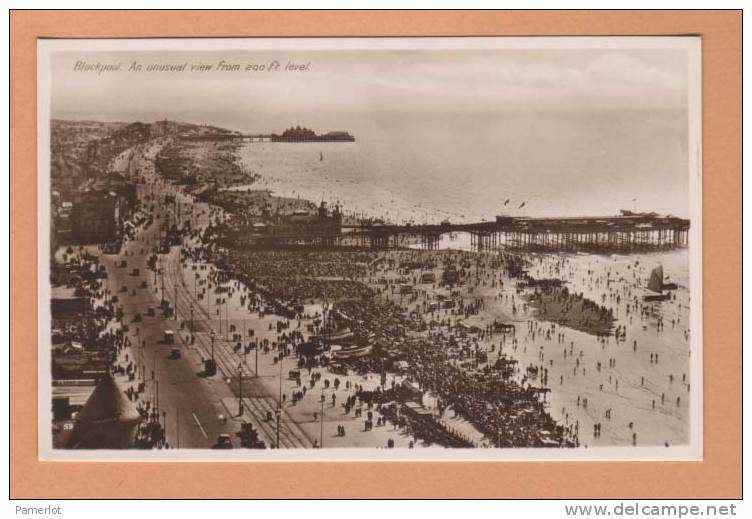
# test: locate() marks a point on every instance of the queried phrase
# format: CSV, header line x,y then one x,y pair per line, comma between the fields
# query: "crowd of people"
x,y
509,414
556,304
79,335
421,325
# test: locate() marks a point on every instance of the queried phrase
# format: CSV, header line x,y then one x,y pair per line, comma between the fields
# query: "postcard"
x,y
474,248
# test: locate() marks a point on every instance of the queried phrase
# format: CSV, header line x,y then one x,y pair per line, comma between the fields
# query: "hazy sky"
x,y
569,130
351,85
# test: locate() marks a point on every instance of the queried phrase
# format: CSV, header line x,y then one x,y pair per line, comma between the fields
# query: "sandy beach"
x,y
593,380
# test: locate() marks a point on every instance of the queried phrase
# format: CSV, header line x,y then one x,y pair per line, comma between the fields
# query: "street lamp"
x,y
278,414
212,335
280,377
161,275
227,319
321,440
240,390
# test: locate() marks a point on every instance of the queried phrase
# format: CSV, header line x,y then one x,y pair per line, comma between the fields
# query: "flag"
x,y
521,205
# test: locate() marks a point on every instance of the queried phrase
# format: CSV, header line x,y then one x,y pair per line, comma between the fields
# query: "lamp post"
x,y
161,276
280,379
240,390
278,414
321,439
227,320
191,324
498,432
212,335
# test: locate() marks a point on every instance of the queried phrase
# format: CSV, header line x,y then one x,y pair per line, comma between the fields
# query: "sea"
x,y
468,168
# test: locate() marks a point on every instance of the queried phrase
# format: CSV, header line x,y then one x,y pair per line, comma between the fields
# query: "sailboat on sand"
x,y
657,287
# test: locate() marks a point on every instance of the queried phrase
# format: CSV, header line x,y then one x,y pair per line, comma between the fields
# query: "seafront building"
x,y
108,420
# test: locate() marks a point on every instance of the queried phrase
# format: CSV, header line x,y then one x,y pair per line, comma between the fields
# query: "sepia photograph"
x,y
471,248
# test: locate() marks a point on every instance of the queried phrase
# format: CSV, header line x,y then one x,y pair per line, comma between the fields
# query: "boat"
x,y
657,286
344,335
354,352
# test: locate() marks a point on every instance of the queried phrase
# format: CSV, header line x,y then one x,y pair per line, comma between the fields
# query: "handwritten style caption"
x,y
222,66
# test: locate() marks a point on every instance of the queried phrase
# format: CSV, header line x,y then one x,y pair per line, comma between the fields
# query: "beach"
x,y
619,382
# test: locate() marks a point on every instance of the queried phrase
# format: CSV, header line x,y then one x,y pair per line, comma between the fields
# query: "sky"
x,y
601,122
353,84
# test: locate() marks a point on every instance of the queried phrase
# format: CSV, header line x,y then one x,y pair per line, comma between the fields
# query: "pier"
x,y
256,138
623,233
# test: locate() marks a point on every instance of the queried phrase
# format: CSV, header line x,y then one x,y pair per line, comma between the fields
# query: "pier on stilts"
x,y
623,234
599,235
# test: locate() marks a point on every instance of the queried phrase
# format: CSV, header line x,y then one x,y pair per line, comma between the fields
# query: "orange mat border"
x,y
719,475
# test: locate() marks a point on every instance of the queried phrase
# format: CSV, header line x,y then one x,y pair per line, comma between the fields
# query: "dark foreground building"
x,y
100,209
108,420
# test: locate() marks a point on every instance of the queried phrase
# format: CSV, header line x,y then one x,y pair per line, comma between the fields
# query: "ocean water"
x,y
461,167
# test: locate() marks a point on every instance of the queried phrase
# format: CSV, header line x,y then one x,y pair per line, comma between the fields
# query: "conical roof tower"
x,y
107,419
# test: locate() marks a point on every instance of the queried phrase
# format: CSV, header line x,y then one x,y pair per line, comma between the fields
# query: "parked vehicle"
x,y
223,442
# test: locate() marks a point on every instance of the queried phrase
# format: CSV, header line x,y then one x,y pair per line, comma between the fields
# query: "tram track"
x,y
291,435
